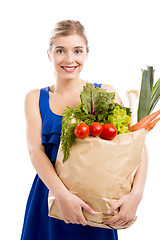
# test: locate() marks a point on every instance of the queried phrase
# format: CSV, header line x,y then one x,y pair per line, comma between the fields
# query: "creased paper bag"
x,y
99,172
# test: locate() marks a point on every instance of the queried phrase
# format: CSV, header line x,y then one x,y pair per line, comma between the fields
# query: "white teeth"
x,y
69,69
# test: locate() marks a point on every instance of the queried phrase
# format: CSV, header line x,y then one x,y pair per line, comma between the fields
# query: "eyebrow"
x,y
79,47
64,47
59,47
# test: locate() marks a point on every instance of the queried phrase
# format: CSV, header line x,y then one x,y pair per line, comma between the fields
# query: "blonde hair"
x,y
67,28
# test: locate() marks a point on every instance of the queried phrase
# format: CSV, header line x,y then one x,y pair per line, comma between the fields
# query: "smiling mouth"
x,y
69,69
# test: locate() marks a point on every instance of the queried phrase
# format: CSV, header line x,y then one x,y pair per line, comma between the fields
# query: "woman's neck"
x,y
65,87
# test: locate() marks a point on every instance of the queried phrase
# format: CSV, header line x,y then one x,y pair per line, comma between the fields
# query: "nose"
x,y
69,58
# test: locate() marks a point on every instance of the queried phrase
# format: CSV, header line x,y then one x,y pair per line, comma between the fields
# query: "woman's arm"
x,y
70,205
128,204
38,157
140,176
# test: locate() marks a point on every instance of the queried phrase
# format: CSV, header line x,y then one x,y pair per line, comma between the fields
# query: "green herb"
x,y
67,141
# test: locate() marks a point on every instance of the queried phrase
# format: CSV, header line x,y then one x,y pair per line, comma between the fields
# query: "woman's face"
x,y
68,55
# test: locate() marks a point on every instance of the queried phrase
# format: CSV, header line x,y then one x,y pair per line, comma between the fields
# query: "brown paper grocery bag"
x,y
99,172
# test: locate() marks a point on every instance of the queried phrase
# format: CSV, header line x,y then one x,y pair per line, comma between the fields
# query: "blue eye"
x,y
78,51
60,51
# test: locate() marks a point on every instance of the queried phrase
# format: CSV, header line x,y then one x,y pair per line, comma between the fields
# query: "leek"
x,y
155,95
145,93
149,93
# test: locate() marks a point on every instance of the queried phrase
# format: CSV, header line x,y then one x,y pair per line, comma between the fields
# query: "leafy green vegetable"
x,y
68,140
90,99
96,106
119,118
96,101
67,133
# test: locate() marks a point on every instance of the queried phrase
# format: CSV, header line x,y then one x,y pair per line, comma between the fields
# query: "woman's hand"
x,y
71,209
127,206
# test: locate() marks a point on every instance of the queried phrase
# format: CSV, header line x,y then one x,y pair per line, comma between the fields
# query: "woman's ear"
x,y
49,56
86,55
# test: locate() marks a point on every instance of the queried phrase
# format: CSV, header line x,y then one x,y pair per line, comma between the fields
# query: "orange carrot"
x,y
152,124
152,116
144,122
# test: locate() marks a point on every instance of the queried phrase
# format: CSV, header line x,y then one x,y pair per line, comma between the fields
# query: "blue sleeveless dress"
x,y
37,225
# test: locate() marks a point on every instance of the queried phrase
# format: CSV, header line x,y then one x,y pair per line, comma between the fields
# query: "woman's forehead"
x,y
69,41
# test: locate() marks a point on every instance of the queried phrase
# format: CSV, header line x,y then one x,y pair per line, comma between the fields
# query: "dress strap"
x,y
98,85
43,101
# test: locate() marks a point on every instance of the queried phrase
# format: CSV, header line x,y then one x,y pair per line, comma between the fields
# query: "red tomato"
x,y
81,130
96,129
109,131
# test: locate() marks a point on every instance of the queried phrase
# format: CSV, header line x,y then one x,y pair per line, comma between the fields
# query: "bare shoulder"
x,y
33,120
32,95
32,102
109,88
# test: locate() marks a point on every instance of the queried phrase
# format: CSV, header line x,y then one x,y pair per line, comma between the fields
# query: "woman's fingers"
x,y
79,220
115,206
66,221
127,224
82,220
126,212
71,210
76,221
121,222
87,208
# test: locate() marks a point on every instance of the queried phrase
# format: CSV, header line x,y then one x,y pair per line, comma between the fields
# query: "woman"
x,y
68,52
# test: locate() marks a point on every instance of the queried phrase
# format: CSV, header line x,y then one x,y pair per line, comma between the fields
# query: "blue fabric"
x,y
37,225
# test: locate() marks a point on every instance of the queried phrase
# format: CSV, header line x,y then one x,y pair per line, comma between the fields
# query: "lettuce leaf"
x,y
119,118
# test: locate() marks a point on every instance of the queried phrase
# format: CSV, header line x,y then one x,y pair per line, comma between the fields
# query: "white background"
x,y
123,38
